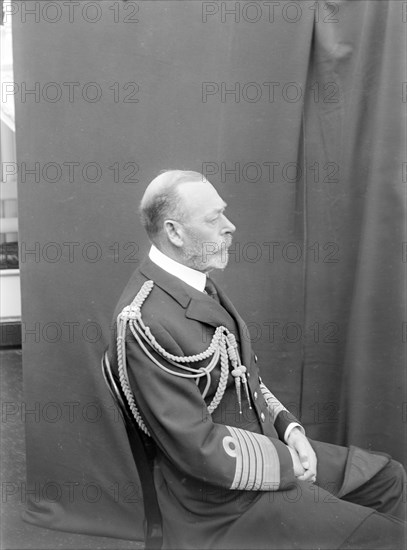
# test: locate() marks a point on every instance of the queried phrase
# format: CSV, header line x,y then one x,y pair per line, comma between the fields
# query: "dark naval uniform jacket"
x,y
226,479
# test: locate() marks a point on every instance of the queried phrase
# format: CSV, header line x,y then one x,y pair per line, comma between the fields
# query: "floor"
x,y
15,533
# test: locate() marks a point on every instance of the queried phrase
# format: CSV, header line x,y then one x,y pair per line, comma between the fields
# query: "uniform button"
x,y
255,395
255,358
248,375
263,418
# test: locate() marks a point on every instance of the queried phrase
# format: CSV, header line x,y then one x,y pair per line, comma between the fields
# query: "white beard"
x,y
206,256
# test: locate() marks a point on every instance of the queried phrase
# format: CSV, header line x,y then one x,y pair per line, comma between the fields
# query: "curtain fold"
x,y
363,213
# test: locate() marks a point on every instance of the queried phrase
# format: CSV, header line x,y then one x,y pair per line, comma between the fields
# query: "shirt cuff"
x,y
290,427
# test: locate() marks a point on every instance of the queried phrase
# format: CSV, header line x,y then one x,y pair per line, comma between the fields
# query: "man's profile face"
x,y
206,231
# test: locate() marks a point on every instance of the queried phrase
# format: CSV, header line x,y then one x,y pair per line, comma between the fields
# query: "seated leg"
x,y
377,532
385,492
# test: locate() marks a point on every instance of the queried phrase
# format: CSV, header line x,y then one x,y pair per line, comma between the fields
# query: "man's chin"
x,y
215,261
220,264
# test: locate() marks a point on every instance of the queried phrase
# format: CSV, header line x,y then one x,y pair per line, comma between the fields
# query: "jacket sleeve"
x,y
177,418
283,420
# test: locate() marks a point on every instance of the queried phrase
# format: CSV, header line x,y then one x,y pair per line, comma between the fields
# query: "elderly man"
x,y
235,468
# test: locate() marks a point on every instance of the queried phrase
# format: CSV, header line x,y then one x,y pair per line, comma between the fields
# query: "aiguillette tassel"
x,y
246,388
236,374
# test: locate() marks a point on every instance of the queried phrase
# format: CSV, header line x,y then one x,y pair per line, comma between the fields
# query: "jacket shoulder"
x,y
130,291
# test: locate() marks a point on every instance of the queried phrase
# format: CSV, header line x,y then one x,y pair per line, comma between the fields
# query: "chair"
x,y
143,450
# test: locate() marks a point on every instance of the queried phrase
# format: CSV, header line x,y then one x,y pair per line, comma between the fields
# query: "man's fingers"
x,y
313,463
307,476
305,456
307,459
304,462
309,463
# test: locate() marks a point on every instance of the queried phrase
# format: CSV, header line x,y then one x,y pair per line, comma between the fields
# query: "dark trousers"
x,y
373,481
385,528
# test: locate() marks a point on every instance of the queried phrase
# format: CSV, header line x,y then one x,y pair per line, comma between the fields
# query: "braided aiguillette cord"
x,y
223,344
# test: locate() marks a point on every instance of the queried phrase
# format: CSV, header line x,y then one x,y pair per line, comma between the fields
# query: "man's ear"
x,y
173,231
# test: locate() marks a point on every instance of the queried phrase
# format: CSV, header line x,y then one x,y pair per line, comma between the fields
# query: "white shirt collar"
x,y
190,276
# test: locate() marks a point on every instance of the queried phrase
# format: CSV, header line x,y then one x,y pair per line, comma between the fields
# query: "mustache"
x,y
228,241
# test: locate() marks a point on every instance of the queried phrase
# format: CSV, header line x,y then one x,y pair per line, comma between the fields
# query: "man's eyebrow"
x,y
220,209
216,210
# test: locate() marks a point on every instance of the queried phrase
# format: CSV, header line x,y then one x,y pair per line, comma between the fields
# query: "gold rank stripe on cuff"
x,y
273,404
257,462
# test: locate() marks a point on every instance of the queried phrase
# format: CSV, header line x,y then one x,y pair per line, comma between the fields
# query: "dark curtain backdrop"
x,y
306,151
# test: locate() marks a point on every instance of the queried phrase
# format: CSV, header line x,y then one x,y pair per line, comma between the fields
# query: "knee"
x,y
397,473
398,470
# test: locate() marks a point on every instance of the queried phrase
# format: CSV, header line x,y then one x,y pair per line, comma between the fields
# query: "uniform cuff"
x,y
289,429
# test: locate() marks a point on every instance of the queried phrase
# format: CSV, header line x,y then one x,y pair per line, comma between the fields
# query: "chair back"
x,y
143,451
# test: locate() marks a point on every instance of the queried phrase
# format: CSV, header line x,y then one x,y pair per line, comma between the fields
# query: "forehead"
x,y
200,198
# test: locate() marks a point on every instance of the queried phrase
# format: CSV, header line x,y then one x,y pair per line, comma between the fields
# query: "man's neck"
x,y
190,276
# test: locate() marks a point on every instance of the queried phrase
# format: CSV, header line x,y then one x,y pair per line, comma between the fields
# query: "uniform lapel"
x,y
206,310
201,307
197,305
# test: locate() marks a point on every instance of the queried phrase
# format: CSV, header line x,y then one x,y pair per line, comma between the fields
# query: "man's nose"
x,y
229,227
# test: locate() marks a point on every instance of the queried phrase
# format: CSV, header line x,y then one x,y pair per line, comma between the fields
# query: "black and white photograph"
x,y
203,260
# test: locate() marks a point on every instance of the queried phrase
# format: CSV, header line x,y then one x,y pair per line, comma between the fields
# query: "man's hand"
x,y
304,458
297,466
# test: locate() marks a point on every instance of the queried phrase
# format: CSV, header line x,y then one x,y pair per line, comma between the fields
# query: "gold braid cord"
x,y
223,347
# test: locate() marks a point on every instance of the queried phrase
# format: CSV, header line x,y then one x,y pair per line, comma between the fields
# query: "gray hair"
x,y
161,200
